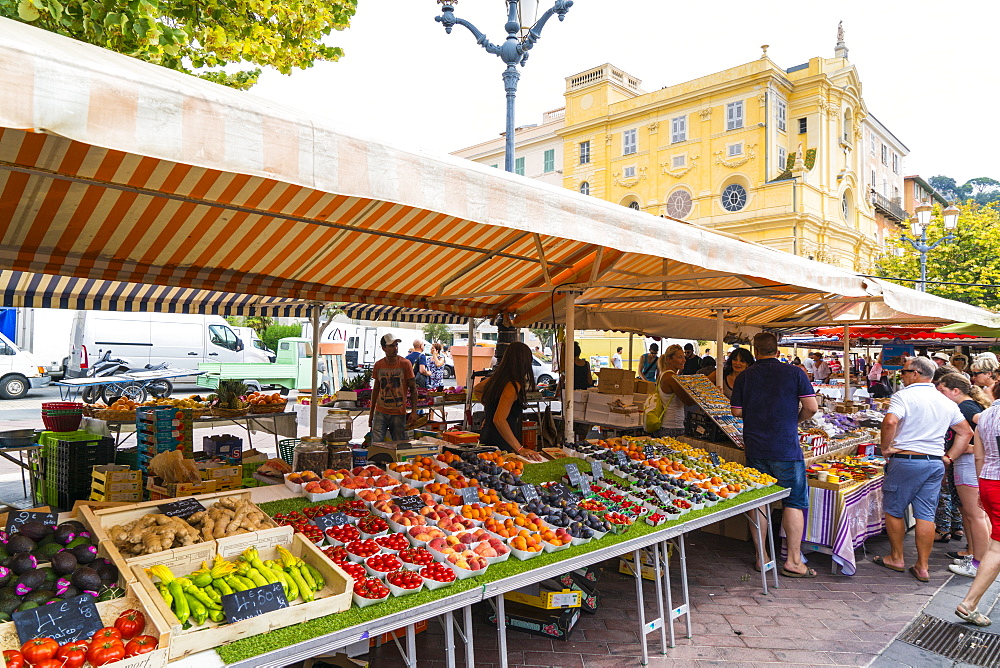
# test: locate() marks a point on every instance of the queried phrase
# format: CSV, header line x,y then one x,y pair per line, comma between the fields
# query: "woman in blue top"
x,y
647,363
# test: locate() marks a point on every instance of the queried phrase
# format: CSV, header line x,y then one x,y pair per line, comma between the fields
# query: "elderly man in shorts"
x,y
913,435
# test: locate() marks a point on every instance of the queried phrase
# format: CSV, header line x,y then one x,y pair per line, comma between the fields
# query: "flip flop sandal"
x,y
913,572
810,573
878,561
943,538
972,616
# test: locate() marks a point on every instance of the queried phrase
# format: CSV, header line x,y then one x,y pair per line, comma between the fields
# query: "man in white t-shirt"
x,y
616,359
913,435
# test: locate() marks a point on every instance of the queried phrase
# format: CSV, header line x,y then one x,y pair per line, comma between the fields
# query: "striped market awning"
x,y
140,181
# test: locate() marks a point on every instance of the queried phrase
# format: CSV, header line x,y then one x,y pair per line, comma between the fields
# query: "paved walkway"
x,y
830,620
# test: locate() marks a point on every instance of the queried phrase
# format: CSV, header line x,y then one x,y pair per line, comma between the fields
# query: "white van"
x,y
19,370
250,338
181,340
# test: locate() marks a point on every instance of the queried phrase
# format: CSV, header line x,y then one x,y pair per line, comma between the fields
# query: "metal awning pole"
x,y
631,337
468,375
569,370
847,363
317,309
720,335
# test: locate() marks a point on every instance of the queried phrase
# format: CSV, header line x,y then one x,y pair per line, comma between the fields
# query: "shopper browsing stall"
x,y
987,460
962,474
672,396
421,367
647,363
691,361
392,380
504,395
772,398
912,441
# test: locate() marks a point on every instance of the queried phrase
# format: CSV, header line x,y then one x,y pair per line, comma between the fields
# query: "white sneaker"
x,y
966,569
967,559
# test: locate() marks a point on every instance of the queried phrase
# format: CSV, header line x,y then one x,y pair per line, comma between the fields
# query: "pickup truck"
x,y
291,370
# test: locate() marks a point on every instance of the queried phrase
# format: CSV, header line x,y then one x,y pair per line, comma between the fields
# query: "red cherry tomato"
x,y
38,650
130,624
13,658
140,645
106,651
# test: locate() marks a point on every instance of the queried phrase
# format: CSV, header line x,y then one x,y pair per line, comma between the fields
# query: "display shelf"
x,y
715,404
278,653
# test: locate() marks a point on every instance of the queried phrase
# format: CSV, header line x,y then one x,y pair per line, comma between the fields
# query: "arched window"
x,y
734,197
585,188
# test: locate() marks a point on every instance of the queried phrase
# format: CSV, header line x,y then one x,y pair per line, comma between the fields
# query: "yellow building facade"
x,y
773,155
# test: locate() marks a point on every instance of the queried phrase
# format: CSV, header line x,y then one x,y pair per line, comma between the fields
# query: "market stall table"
x,y
839,521
445,606
281,425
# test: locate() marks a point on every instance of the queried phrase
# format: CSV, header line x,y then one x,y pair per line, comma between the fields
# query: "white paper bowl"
x,y
434,584
399,591
294,487
325,496
463,574
363,602
549,547
524,555
580,541
367,536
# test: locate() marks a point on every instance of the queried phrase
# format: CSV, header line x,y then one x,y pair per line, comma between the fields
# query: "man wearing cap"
x,y
691,361
391,378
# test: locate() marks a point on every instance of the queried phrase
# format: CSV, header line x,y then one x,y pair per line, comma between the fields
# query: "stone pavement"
x,y
830,620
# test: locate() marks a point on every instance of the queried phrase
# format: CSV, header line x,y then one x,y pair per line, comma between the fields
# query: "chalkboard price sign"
x,y
530,492
662,495
16,518
648,451
73,619
242,605
413,503
622,459
560,489
575,478
181,508
469,495
715,458
324,522
596,469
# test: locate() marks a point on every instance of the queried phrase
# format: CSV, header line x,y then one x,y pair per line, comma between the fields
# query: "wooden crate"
x,y
136,599
98,521
333,598
835,486
179,489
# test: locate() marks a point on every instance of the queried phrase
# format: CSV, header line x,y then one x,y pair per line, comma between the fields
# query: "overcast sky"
x,y
928,69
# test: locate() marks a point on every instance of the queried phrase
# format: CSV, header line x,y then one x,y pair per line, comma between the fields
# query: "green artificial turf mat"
x,y
534,473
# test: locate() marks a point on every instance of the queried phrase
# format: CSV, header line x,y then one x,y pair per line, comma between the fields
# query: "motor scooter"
x,y
112,366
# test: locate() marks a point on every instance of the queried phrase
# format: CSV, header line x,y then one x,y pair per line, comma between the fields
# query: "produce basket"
x,y
263,409
200,412
286,449
100,521
229,412
334,597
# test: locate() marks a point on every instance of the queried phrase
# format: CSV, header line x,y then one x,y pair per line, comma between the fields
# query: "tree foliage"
x,y
275,333
436,332
259,323
974,257
981,189
544,335
200,37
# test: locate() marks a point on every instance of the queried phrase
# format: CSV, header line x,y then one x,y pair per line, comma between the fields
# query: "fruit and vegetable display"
x,y
42,565
856,469
197,598
155,532
122,640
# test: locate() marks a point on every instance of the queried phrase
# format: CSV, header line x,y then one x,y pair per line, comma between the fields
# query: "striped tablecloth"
x,y
839,522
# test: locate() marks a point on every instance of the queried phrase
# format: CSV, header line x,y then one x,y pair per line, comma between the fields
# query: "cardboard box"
x,y
737,528
596,415
459,437
581,397
159,490
400,634
218,471
226,447
603,401
545,623
626,564
117,497
626,420
539,595
644,386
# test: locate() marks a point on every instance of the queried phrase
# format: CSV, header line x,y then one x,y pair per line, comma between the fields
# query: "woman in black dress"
x,y
503,396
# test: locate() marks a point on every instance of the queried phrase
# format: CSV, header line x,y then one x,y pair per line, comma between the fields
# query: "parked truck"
x,y
291,370
361,342
19,370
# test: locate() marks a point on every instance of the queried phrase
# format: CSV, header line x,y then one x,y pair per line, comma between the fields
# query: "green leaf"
x,y
26,11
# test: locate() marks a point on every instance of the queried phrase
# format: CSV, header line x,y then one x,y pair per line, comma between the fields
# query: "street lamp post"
x,y
513,51
918,228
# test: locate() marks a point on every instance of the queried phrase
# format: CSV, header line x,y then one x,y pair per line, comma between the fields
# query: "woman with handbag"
x,y
671,397
504,396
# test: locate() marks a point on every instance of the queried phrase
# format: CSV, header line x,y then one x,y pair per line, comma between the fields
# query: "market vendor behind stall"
x,y
504,395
